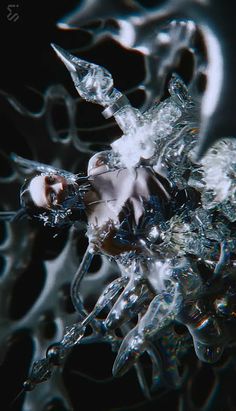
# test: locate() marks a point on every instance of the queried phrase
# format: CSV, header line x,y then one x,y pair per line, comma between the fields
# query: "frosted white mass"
x,y
219,166
140,142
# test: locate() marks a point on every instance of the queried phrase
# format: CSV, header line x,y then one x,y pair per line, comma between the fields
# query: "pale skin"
x,y
47,191
110,192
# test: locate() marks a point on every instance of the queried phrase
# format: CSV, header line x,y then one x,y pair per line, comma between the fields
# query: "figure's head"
x,y
51,198
44,191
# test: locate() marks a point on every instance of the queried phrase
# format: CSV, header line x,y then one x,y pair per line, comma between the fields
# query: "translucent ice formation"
x,y
162,217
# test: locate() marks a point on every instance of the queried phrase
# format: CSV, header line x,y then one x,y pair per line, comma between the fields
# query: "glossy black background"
x,y
28,66
27,62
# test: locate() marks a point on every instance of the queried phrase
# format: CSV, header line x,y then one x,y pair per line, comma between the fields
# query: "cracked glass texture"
x,y
35,313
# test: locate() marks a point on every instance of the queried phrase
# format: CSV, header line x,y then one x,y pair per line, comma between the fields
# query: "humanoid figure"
x,y
106,197
143,203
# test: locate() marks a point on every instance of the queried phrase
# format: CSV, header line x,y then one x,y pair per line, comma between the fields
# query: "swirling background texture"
x,y
141,42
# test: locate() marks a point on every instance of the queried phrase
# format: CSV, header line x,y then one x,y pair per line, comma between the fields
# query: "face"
x,y
48,191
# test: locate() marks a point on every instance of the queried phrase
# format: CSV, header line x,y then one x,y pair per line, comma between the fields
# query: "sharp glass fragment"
x,y
158,214
151,208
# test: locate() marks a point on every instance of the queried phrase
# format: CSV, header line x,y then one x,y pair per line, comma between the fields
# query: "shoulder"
x,y
99,163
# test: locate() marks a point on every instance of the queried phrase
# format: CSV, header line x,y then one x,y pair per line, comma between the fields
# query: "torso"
x,y
114,193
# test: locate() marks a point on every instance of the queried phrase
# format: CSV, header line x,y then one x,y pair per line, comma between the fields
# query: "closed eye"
x,y
51,197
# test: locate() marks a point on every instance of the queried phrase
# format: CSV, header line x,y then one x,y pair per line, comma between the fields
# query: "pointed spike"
x,y
123,362
93,82
130,350
65,57
120,366
22,391
15,158
77,67
142,380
